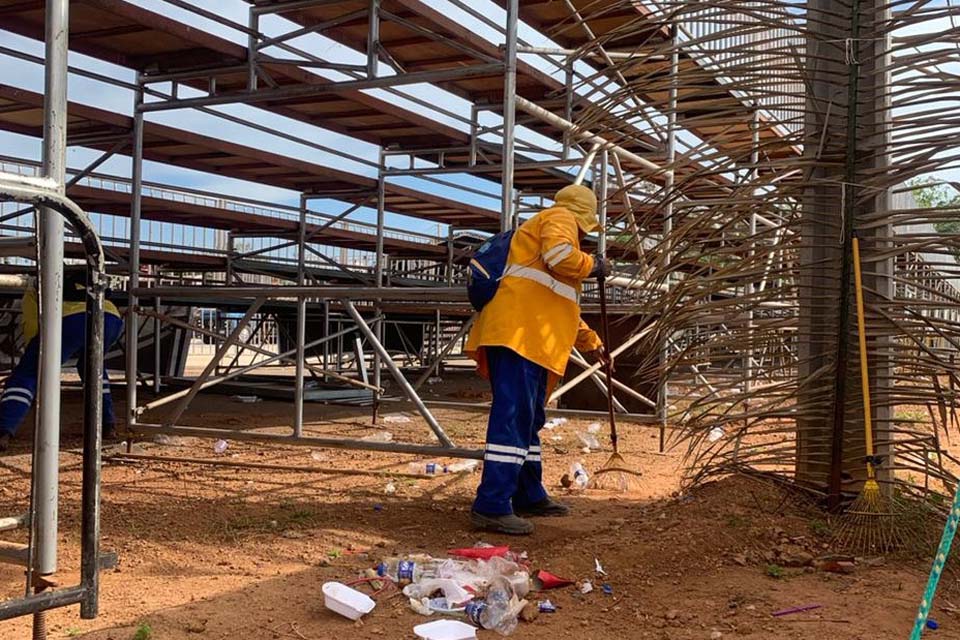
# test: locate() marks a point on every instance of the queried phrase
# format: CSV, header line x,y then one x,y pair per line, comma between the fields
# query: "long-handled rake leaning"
x,y
875,522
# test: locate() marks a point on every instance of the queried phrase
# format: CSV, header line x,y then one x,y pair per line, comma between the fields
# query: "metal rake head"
x,y
616,475
874,523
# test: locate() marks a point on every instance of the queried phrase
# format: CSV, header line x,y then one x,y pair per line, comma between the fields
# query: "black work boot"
x,y
509,524
546,508
4,442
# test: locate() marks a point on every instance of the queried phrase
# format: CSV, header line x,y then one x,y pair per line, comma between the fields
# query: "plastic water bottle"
x,y
408,570
579,475
495,612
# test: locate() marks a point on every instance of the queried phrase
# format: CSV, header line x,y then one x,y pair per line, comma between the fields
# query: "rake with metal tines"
x,y
875,522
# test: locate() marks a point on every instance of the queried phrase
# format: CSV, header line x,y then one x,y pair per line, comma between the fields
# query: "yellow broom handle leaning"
x,y
864,372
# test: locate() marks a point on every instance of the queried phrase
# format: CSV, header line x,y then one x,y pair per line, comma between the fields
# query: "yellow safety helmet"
x,y
582,203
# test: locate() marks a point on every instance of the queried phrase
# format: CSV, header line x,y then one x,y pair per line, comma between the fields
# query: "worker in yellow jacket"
x,y
21,387
521,341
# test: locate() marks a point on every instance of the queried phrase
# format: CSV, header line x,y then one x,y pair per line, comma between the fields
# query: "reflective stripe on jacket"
x,y
29,314
536,310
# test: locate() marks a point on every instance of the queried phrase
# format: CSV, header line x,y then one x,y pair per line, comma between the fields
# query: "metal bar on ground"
x,y
331,443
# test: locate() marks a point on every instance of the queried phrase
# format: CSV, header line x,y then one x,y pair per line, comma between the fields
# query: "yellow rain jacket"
x,y
30,315
536,310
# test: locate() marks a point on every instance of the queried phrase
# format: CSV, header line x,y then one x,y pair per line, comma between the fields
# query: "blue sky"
x,y
30,76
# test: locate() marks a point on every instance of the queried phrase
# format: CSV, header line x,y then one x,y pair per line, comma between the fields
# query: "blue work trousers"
x,y
21,387
512,466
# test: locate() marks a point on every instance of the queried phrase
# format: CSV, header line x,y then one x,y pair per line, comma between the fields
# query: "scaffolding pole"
x,y
46,455
509,114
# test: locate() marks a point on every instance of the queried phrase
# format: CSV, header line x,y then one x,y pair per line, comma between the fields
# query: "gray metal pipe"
x,y
509,114
50,238
582,134
136,189
393,294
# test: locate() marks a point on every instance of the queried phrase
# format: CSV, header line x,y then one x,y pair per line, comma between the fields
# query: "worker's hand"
x,y
601,268
600,355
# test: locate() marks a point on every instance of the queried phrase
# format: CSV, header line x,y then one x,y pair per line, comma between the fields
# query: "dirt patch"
x,y
211,552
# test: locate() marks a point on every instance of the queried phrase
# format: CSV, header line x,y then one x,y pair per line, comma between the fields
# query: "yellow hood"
x,y
582,203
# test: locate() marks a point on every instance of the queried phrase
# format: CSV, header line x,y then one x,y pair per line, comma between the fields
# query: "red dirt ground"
x,y
236,553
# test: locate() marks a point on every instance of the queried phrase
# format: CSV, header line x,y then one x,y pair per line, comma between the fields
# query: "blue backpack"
x,y
486,269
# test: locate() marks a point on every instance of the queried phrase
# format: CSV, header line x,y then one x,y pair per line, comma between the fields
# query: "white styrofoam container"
x,y
445,630
348,602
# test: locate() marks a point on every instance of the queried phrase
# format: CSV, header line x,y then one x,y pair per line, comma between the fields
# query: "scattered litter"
x,y
530,612
379,436
390,489
553,423
792,610
590,442
545,580
716,635
396,418
445,630
220,446
169,441
346,601
319,456
599,567
454,596
499,611
245,399
586,587
594,428
546,606
464,466
556,438
480,552
715,434
434,380
428,468
933,625
607,589
578,476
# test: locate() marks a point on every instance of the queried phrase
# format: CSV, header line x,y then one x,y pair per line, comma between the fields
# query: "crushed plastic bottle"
x,y
553,423
498,611
220,446
379,436
464,466
590,441
579,475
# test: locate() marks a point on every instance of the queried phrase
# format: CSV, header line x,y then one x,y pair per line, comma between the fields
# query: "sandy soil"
x,y
210,552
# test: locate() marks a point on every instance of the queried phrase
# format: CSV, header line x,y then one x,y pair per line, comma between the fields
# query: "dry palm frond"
x,y
740,239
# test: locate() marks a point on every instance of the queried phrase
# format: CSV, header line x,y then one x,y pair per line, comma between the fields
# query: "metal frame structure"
x,y
39,556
